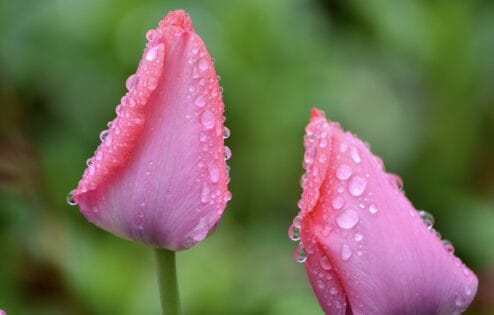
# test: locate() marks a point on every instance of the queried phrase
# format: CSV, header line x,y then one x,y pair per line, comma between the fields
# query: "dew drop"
x,y
200,101
338,202
131,82
427,218
320,283
228,153
344,172
324,263
89,162
204,193
333,291
103,134
151,35
226,133
347,219
309,155
152,53
468,290
299,254
358,237
297,222
203,64
214,173
70,198
355,156
459,300
228,196
449,246
346,252
356,186
373,209
294,233
207,120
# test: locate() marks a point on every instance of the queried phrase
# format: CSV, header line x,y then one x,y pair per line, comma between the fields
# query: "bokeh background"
x,y
413,78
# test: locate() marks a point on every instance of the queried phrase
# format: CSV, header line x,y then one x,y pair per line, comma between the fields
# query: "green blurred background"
x,y
413,78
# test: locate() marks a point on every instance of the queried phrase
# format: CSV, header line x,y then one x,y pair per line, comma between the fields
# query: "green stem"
x,y
167,281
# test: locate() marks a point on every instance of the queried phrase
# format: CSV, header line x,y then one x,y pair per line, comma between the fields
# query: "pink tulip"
x,y
159,176
2,312
366,249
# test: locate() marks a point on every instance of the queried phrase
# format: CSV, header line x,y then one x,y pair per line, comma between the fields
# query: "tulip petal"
x,y
159,175
359,225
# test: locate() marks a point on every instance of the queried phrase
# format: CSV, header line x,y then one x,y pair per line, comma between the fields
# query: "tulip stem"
x,y
167,281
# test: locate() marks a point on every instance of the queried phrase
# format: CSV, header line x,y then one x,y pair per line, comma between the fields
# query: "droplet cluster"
x,y
206,96
428,220
336,169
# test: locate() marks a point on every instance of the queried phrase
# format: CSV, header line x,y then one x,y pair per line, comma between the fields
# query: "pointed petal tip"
x,y
178,18
317,113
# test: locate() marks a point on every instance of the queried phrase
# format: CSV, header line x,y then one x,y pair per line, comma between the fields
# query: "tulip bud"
x,y
366,249
159,175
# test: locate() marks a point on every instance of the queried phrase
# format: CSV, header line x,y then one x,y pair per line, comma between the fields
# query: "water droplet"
x,y
70,198
228,153
333,291
320,283
152,53
228,196
358,237
468,290
152,83
459,300
373,209
103,134
427,218
324,263
131,82
294,233
203,64
346,252
347,219
297,221
214,173
89,162
449,246
309,155
204,193
151,35
356,186
338,202
355,156
344,172
207,119
226,133
200,101
299,254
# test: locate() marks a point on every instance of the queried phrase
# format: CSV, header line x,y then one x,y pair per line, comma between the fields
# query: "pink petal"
x,y
159,175
368,249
